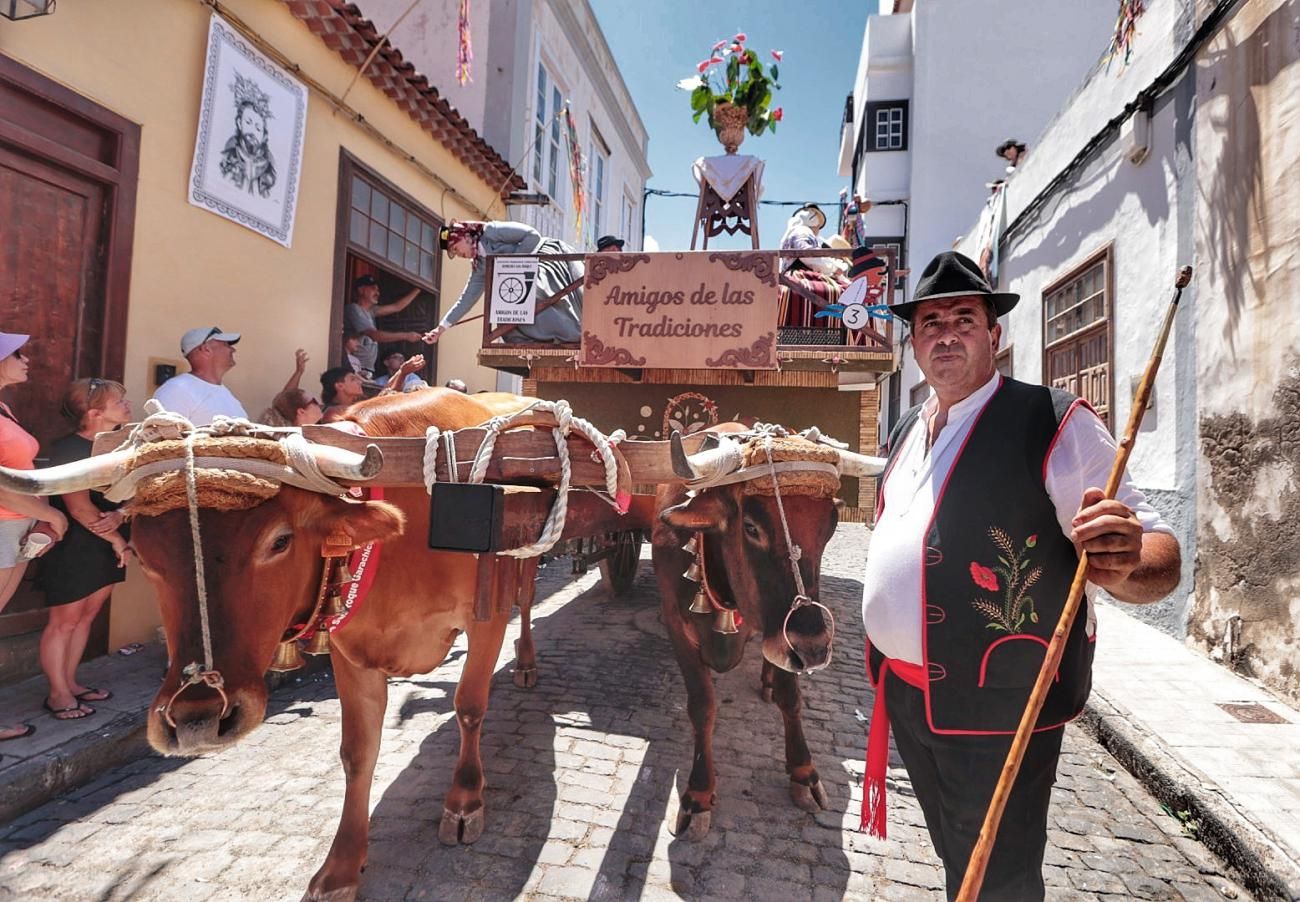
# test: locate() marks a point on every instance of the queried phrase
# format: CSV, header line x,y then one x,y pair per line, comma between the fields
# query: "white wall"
x,y
566,37
429,39
510,37
969,96
985,72
1145,213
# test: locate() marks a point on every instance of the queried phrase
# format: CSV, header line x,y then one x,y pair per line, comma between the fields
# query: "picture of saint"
x,y
246,160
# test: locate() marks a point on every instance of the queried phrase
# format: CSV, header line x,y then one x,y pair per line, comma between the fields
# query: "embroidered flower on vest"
x,y
1008,613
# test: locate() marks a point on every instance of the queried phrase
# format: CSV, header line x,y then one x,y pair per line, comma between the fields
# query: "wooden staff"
x,y
979,859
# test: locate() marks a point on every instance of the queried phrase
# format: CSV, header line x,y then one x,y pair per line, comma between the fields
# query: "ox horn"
x,y
704,466
340,463
92,472
853,464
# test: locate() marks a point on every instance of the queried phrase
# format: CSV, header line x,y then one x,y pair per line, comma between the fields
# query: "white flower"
x,y
690,84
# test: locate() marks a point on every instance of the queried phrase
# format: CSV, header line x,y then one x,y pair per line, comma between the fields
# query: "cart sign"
x,y
696,310
514,290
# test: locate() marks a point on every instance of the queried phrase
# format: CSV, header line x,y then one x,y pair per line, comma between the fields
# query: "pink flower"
x,y
718,46
778,114
735,48
746,57
702,66
1031,541
714,60
740,38
984,577
777,54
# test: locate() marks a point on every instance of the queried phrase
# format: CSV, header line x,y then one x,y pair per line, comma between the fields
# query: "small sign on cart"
x,y
514,290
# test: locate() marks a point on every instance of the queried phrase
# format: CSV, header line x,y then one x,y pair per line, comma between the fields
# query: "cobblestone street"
x,y
583,776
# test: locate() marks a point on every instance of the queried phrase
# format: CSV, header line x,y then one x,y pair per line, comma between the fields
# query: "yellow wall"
x,y
143,59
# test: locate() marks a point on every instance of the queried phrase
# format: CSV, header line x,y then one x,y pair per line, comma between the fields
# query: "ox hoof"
x,y
460,828
811,797
525,677
693,827
342,894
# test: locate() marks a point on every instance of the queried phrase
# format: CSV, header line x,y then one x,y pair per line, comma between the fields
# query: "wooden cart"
x,y
815,372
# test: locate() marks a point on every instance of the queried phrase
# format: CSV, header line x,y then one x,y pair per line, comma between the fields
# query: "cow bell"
x,y
333,604
344,574
700,603
694,572
724,622
287,657
691,545
318,644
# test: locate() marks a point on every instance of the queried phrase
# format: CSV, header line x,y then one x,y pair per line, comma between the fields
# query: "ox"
x,y
262,566
723,562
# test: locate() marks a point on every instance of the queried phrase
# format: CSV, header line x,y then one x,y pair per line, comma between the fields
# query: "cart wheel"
x,y
618,571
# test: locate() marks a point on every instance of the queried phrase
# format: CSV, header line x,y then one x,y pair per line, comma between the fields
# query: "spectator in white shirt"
x,y
199,395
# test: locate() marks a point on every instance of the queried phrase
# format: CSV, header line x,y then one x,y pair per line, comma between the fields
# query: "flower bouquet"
x,y
734,90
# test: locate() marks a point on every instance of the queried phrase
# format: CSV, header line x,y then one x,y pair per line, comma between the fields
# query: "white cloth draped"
x,y
726,174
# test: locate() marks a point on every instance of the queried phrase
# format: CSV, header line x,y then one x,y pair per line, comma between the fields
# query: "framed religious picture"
x,y
252,121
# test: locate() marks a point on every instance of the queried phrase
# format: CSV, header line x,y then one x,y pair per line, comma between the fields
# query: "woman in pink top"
x,y
19,514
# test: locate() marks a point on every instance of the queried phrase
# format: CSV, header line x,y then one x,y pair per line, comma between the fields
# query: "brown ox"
x,y
747,567
262,568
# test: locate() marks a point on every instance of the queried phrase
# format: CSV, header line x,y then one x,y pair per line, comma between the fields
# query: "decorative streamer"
x,y
1121,43
576,167
465,49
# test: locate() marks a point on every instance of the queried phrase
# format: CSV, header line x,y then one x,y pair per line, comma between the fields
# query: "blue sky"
x,y
659,43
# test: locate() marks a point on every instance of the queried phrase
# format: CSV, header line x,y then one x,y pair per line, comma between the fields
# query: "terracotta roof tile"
x,y
343,28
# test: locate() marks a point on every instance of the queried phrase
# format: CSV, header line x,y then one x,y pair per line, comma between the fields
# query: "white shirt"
x,y
198,401
891,594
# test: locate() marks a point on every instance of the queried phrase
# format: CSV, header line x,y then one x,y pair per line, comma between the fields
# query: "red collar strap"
x,y
363,563
873,783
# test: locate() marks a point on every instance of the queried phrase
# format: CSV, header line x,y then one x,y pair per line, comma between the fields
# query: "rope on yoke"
x,y
796,554
300,468
566,422
193,673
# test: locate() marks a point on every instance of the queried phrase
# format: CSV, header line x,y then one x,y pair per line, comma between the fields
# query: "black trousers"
x,y
953,778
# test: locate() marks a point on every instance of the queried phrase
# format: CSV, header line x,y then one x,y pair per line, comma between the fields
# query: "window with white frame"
x,y
547,153
628,220
887,124
597,174
552,176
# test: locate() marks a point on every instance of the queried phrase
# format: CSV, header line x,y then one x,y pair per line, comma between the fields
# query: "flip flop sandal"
x,y
94,695
68,712
27,730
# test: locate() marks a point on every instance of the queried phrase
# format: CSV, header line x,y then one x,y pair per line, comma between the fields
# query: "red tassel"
x,y
464,49
873,782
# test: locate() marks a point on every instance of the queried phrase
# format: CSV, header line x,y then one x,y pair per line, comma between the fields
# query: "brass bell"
x,y
694,572
287,657
700,604
690,547
318,644
344,574
333,604
724,621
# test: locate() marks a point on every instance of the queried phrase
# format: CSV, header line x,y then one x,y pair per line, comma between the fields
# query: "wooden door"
x,y
50,283
68,174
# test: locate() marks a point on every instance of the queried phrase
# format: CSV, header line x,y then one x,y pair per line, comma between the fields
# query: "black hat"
x,y
954,275
605,241
363,281
864,261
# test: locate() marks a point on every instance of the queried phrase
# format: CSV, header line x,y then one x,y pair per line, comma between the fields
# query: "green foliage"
x,y
733,74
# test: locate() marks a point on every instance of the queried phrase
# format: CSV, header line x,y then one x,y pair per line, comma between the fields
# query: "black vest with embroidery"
x,y
997,573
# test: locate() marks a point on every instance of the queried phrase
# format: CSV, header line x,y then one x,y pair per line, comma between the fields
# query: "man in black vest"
x,y
990,491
